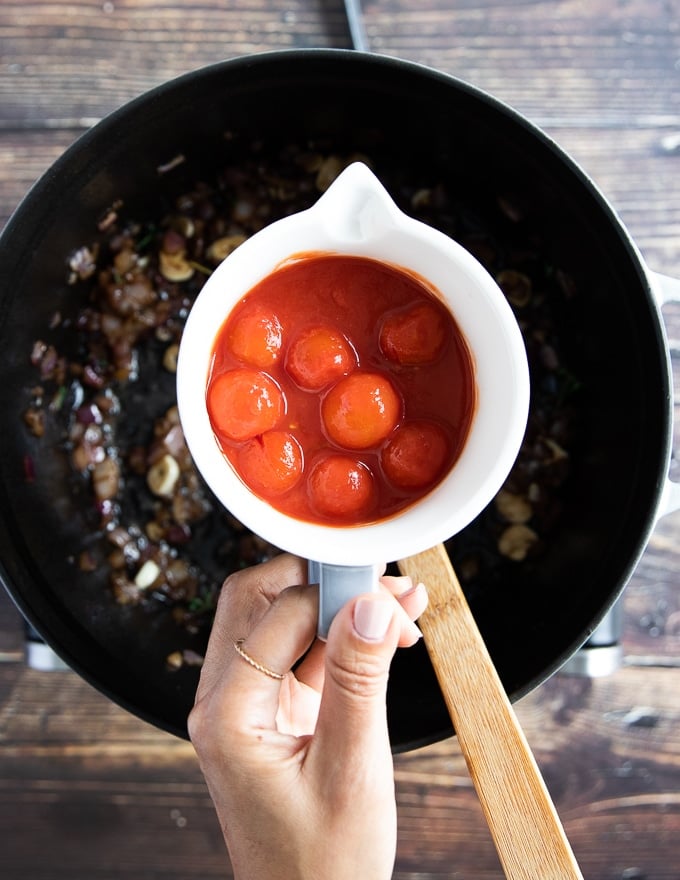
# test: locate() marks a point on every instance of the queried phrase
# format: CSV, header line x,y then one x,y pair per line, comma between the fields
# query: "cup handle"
x,y
338,584
667,290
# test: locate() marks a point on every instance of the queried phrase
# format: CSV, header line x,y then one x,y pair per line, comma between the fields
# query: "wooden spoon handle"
x,y
524,824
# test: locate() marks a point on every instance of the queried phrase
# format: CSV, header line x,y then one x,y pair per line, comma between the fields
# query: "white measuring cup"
x,y
356,216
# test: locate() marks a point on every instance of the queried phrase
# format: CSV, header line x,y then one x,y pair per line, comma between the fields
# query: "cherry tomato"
x,y
361,410
341,487
271,464
319,356
415,335
416,455
244,403
255,335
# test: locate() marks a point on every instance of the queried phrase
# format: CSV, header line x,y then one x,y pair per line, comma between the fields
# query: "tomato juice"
x,y
341,389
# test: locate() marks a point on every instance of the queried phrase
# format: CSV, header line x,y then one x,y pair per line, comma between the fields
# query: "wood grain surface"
x,y
88,792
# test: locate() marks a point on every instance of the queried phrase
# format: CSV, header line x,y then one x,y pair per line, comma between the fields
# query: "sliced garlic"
x,y
222,247
163,475
175,267
170,357
147,574
513,508
106,478
516,286
516,541
329,170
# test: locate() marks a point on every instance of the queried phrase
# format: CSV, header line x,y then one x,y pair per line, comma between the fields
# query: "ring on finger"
x,y
270,673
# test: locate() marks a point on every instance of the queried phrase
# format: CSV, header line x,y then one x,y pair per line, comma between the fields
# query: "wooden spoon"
x,y
524,824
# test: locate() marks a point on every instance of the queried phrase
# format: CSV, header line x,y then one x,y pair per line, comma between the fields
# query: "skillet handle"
x,y
667,290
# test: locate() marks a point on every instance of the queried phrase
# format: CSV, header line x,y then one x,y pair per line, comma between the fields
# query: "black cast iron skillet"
x,y
533,616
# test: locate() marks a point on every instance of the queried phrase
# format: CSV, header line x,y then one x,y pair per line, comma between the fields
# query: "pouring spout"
x,y
356,209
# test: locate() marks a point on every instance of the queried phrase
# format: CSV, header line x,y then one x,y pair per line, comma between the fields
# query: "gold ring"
x,y
238,647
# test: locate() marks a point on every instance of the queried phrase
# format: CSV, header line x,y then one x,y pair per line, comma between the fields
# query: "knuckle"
x,y
198,726
359,674
213,730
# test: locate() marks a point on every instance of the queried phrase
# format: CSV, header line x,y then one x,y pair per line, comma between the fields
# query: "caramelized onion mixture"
x,y
104,380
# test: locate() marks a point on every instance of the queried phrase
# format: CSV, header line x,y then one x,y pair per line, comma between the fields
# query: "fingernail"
x,y
398,585
422,589
372,618
411,589
414,632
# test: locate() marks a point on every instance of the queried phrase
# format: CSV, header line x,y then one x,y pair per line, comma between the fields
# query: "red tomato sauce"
x,y
341,389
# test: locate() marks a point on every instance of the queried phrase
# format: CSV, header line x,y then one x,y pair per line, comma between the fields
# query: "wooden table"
x,y
86,790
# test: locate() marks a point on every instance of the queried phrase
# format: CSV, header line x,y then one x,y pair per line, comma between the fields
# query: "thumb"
x,y
352,719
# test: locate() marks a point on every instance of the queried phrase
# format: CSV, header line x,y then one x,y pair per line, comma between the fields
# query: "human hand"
x,y
300,769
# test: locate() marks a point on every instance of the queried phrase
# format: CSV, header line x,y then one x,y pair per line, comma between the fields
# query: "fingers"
x,y
412,601
352,717
276,624
248,594
278,641
245,598
245,698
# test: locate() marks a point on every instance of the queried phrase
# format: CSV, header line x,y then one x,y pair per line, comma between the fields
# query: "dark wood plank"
x,y
97,55
95,780
652,600
595,62
24,157
610,763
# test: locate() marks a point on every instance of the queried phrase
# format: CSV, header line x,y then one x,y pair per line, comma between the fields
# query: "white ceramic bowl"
x,y
357,216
